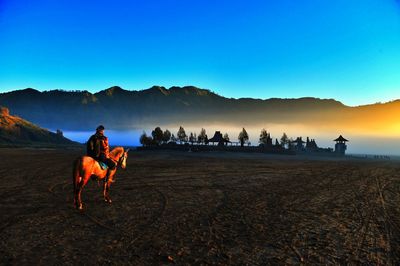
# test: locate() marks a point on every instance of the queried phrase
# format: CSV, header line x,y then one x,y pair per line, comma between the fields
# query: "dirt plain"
x,y
201,209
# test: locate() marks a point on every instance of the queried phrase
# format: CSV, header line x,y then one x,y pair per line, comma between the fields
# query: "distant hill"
x,y
15,130
122,109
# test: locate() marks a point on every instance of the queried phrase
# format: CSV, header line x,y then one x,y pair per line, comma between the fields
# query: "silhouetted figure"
x,y
277,143
59,133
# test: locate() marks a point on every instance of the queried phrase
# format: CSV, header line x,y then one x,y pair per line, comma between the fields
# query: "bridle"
x,y
122,158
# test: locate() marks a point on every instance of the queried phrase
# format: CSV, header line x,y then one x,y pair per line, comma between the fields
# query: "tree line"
x,y
159,137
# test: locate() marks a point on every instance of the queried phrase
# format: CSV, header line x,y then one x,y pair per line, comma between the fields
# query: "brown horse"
x,y
86,167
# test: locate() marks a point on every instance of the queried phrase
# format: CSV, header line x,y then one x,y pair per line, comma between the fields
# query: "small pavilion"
x,y
340,146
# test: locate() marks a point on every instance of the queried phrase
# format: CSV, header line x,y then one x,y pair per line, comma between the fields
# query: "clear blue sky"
x,y
342,49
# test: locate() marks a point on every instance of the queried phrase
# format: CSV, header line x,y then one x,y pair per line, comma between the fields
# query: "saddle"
x,y
103,166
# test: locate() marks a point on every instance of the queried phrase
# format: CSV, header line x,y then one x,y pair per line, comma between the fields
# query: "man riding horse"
x,y
87,167
98,149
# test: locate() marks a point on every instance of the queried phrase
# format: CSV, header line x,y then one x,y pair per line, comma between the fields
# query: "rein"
x,y
120,160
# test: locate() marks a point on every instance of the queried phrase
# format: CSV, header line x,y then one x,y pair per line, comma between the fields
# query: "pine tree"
x,y
166,136
284,140
192,138
143,138
226,137
181,135
157,134
263,137
243,137
202,136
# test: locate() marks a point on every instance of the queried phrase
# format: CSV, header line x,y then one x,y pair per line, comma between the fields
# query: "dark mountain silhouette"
x,y
123,109
15,130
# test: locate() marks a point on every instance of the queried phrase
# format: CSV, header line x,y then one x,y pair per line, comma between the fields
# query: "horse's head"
x,y
119,155
122,159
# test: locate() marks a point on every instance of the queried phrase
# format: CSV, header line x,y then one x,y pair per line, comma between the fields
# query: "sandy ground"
x,y
201,209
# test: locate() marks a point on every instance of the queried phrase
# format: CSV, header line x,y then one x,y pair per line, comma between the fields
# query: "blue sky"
x,y
347,50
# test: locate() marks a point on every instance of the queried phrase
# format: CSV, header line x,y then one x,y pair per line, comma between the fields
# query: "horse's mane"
x,y
116,153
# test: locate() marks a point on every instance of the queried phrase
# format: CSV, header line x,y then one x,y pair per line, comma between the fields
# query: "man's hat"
x,y
101,127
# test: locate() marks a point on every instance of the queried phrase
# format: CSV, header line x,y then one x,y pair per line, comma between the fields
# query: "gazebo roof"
x,y
340,138
218,137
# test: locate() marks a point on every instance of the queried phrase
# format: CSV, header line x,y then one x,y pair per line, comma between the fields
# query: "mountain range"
x,y
124,109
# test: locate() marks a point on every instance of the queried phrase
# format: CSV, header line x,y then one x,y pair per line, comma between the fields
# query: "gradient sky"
x,y
342,49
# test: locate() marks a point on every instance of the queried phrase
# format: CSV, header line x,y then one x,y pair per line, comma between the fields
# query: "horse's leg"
x,y
81,185
76,197
76,177
79,204
75,194
106,187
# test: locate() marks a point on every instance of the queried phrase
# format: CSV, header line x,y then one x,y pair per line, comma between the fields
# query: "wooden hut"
x,y
298,144
218,139
311,145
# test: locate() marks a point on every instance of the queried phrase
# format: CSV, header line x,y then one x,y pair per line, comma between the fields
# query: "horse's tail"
x,y
76,172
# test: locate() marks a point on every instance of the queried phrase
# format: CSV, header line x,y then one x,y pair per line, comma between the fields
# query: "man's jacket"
x,y
97,146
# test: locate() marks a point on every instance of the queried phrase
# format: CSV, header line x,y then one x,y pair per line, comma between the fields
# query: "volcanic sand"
x,y
201,208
